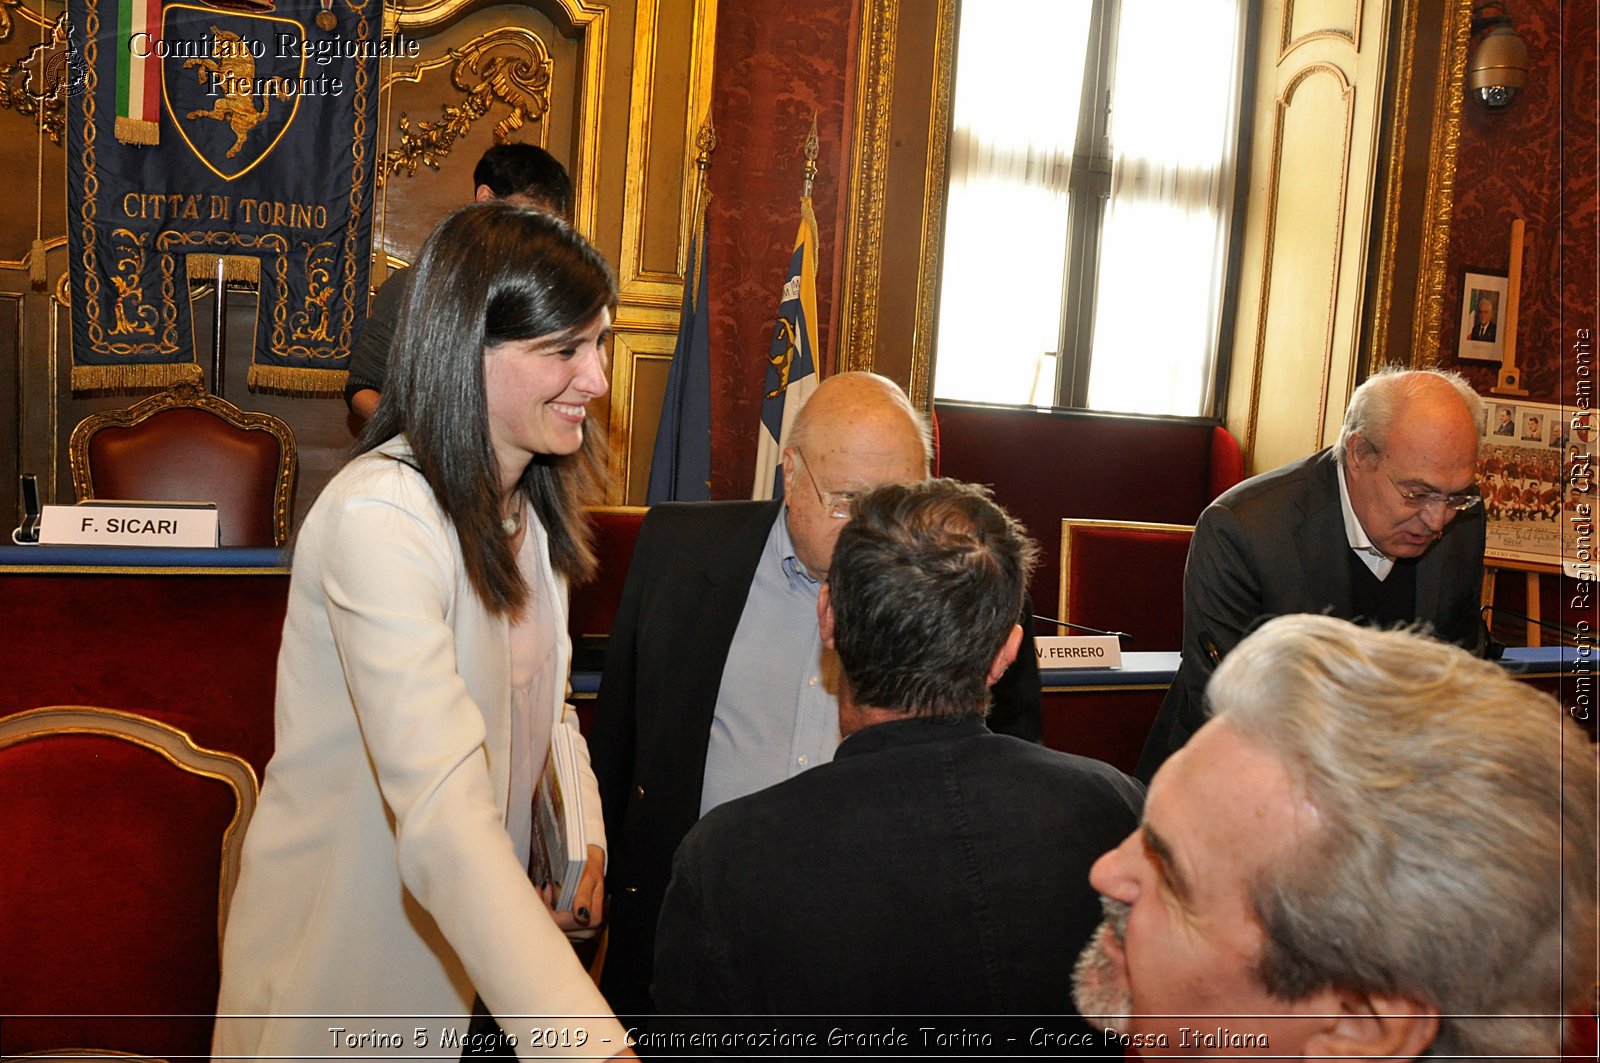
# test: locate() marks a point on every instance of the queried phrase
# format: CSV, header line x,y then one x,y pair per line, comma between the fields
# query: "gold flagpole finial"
x,y
813,147
706,142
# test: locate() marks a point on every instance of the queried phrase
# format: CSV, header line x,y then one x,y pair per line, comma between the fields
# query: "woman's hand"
x,y
582,921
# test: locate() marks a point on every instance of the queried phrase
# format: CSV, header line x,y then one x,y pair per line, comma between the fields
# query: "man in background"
x,y
715,682
1379,846
933,867
524,174
1385,527
1483,327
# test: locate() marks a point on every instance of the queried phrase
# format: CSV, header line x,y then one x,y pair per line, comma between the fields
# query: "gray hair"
x,y
1377,402
1455,857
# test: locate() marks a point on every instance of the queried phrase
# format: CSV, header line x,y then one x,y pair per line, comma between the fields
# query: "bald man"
x,y
1384,528
715,683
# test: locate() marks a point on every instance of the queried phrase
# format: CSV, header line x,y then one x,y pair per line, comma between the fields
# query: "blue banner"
x,y
253,161
680,469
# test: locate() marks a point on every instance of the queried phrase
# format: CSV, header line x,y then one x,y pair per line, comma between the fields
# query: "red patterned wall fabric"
x,y
1534,160
777,63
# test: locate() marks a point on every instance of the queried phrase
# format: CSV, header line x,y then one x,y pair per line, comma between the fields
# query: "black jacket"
x,y
681,604
932,869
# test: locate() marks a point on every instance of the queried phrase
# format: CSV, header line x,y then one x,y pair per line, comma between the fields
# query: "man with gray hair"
x,y
1379,846
933,867
1385,527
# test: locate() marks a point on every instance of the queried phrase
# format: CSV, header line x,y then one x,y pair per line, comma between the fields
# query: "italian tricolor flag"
x,y
138,76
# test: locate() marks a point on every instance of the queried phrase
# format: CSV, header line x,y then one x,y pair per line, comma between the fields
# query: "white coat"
x,y
378,879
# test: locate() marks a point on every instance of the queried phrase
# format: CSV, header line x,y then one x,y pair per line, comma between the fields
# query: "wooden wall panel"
x,y
1312,177
1305,235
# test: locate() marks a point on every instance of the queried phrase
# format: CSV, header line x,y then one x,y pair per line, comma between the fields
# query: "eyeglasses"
x,y
838,504
1420,500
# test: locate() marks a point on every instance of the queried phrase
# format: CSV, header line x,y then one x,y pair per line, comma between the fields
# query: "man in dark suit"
x,y
1386,527
933,868
1483,327
715,682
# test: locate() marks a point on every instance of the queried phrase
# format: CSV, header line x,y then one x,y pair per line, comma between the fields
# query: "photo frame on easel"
x,y
1481,323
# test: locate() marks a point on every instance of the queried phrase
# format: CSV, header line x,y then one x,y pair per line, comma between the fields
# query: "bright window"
x,y
1086,242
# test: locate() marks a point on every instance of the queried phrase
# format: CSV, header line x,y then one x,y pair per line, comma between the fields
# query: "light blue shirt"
x,y
777,712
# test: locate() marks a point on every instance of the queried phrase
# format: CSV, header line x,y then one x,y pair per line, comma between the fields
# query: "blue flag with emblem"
x,y
791,374
257,166
680,470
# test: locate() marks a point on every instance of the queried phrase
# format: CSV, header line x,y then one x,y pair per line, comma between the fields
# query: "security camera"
x,y
1499,66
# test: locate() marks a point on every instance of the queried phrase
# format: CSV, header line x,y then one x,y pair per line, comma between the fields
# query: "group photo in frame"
x,y
1482,319
1536,474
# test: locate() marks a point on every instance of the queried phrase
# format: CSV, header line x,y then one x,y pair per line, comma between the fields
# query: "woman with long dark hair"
x,y
422,672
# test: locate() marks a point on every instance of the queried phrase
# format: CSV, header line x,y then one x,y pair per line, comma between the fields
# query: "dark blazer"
x,y
1275,544
933,868
681,604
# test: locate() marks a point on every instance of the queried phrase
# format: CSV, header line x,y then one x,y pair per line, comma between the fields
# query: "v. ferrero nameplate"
x,y
1078,651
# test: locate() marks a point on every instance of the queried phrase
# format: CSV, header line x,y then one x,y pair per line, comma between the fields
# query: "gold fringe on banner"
x,y
234,268
296,380
144,375
137,131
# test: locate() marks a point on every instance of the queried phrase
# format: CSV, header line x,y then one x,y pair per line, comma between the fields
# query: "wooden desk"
x,y
188,637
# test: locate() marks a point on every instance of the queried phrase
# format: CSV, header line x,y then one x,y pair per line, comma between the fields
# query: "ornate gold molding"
x,y
1393,182
869,164
1439,209
920,386
25,13
425,18
587,22
37,85
509,65
1288,43
643,287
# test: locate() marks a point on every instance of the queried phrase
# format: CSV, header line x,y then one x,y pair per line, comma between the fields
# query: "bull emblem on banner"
x,y
229,82
235,71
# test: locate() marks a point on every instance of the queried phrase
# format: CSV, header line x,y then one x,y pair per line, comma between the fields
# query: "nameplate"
x,y
1079,651
130,524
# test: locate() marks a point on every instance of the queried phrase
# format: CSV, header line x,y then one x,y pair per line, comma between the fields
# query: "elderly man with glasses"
x,y
1386,527
716,684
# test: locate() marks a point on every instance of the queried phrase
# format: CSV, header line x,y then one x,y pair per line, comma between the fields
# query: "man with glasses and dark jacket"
x,y
1385,528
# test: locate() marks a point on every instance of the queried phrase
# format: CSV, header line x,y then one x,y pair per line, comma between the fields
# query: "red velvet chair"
x,y
1120,576
1125,576
593,605
184,445
117,862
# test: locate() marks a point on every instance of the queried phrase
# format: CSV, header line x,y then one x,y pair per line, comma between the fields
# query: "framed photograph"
x,y
1536,471
1483,307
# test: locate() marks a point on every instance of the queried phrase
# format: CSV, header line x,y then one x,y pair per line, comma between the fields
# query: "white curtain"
x,y
1015,115
1164,242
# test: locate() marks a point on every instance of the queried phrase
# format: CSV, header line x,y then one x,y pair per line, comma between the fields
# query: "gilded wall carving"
x,y
508,66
